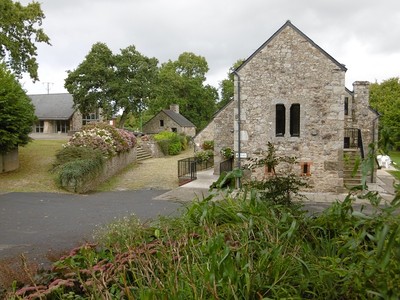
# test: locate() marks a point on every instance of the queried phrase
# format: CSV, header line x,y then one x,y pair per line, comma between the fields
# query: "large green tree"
x,y
227,85
19,33
183,82
16,112
114,83
385,98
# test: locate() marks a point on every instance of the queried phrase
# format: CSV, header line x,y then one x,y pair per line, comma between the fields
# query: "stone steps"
x,y
142,154
349,161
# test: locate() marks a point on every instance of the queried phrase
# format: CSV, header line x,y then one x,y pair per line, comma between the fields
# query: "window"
x,y
305,169
90,118
174,129
161,123
39,127
295,120
280,120
346,106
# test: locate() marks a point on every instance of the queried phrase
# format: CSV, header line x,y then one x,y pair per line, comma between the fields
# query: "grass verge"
x,y
33,175
395,157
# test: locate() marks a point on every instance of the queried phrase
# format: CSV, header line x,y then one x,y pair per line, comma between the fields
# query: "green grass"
x,y
395,157
34,174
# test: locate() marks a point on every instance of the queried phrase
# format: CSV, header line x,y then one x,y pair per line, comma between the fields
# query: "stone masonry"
x,y
290,69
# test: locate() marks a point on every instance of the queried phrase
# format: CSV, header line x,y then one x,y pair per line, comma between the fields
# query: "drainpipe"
x,y
238,184
373,143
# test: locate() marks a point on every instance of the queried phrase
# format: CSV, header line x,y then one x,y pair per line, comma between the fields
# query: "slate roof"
x,y
178,118
289,24
53,106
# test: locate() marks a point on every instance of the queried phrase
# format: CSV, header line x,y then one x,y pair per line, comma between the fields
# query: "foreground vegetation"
x,y
395,157
237,248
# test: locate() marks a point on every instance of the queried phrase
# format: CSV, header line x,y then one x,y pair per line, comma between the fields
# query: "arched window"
x,y
295,120
280,120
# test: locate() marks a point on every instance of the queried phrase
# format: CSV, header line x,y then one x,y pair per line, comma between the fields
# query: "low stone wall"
x,y
9,161
152,147
111,167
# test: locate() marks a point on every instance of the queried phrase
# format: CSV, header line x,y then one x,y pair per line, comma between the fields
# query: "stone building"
x,y
56,114
170,120
292,93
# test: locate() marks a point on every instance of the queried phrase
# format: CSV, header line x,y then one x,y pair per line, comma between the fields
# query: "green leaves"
x,y
16,113
112,82
19,31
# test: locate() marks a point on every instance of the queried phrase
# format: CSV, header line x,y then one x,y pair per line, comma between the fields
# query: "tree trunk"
x,y
123,119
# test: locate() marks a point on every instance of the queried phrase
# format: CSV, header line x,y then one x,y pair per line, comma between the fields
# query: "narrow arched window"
x,y
280,120
295,120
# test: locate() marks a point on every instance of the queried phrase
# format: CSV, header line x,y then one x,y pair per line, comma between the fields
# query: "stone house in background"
x,y
170,120
56,114
292,93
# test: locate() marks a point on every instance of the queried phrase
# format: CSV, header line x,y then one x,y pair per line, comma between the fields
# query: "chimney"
x,y
174,107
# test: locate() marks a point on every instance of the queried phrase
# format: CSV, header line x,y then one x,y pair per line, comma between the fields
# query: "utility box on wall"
x,y
9,161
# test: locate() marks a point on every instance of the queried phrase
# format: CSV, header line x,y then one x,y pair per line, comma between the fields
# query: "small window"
x,y
174,129
346,106
295,120
161,123
280,120
305,169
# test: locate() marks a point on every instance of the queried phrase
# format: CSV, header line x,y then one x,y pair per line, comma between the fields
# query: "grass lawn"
x,y
395,157
33,174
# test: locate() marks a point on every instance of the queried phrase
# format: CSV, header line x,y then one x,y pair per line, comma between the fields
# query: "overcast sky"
x,y
362,34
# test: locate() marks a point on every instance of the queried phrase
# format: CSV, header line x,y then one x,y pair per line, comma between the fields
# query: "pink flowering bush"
x,y
106,138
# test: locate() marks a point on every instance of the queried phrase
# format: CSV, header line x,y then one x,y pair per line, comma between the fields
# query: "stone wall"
x,y
111,167
207,134
223,133
9,161
287,70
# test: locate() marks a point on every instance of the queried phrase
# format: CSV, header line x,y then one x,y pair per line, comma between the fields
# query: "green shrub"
x,y
76,172
68,154
203,156
170,142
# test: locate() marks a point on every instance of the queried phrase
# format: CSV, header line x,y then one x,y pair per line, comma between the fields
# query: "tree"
x,y
19,32
112,82
227,85
183,82
385,98
16,112
134,81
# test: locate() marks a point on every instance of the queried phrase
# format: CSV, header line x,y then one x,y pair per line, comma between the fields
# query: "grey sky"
x,y
362,34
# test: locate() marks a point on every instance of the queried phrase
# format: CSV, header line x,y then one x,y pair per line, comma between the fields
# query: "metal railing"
x,y
188,168
353,140
226,165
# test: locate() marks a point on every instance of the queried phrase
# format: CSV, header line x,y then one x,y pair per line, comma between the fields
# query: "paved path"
x,y
33,223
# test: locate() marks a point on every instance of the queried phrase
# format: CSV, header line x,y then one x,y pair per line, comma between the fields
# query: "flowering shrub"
x,y
106,138
203,156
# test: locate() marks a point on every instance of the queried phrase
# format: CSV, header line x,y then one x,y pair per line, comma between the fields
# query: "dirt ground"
x,y
153,173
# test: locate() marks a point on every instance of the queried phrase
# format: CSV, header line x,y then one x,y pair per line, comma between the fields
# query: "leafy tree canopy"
x,y
385,98
183,82
16,112
227,85
19,31
112,82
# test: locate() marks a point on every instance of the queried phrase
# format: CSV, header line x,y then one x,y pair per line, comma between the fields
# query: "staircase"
x,y
350,158
142,154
